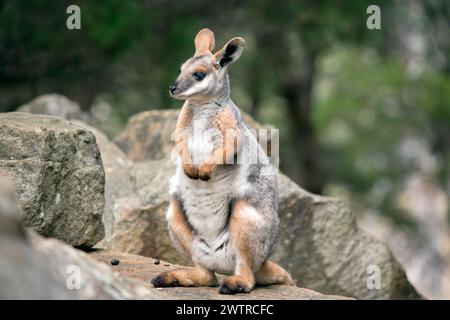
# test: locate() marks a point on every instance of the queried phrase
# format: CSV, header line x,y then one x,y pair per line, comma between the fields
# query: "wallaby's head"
x,y
204,76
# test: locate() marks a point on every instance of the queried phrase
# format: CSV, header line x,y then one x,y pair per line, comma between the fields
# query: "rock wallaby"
x,y
223,205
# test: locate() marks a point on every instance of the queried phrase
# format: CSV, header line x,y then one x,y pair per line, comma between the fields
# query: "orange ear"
x,y
204,42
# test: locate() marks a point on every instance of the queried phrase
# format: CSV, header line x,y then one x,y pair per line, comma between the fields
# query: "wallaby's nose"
x,y
173,87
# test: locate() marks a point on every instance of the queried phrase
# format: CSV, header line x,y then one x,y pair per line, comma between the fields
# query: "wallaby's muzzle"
x,y
173,88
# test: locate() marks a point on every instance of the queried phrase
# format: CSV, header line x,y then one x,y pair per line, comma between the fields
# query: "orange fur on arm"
x,y
229,144
230,139
181,135
184,118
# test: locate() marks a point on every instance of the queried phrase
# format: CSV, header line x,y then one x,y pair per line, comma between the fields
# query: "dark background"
x,y
363,114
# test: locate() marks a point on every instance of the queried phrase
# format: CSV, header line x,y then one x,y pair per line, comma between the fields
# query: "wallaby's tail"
x,y
272,273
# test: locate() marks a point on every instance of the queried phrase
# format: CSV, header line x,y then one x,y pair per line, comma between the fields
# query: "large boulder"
x,y
319,243
136,199
147,134
58,171
324,249
54,105
10,216
33,267
22,270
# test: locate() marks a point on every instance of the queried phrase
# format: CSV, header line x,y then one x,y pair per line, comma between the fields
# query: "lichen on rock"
x,y
58,173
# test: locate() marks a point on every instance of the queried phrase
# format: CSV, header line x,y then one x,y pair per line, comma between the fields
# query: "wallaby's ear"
x,y
229,53
204,42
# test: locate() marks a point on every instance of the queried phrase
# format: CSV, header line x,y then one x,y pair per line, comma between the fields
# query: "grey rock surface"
x,y
34,267
57,169
324,249
143,269
54,105
23,272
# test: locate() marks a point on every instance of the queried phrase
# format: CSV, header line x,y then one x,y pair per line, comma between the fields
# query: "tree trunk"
x,y
298,94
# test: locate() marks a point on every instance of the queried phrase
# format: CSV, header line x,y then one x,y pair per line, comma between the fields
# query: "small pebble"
x,y
156,261
167,265
115,262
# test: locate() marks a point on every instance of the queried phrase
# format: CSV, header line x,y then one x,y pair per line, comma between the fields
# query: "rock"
x,y
97,280
10,216
58,172
118,181
324,249
143,269
115,157
25,274
137,221
54,105
136,198
33,267
319,243
146,135
22,275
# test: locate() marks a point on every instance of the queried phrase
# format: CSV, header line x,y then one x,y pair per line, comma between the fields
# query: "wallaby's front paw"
x,y
190,170
234,284
205,171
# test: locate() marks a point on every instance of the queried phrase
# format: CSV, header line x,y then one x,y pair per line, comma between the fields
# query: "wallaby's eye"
x,y
198,75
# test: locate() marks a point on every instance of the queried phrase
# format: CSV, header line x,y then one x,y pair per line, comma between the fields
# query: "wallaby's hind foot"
x,y
235,284
197,277
269,273
272,273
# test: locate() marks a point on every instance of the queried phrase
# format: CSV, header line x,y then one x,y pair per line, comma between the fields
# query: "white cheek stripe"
x,y
199,86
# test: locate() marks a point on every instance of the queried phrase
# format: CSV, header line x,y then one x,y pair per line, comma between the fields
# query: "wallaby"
x,y
223,209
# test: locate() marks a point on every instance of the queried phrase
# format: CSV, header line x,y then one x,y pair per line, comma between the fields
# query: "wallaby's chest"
x,y
202,137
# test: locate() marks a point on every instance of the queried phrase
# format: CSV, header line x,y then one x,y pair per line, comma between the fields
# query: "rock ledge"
x,y
143,269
